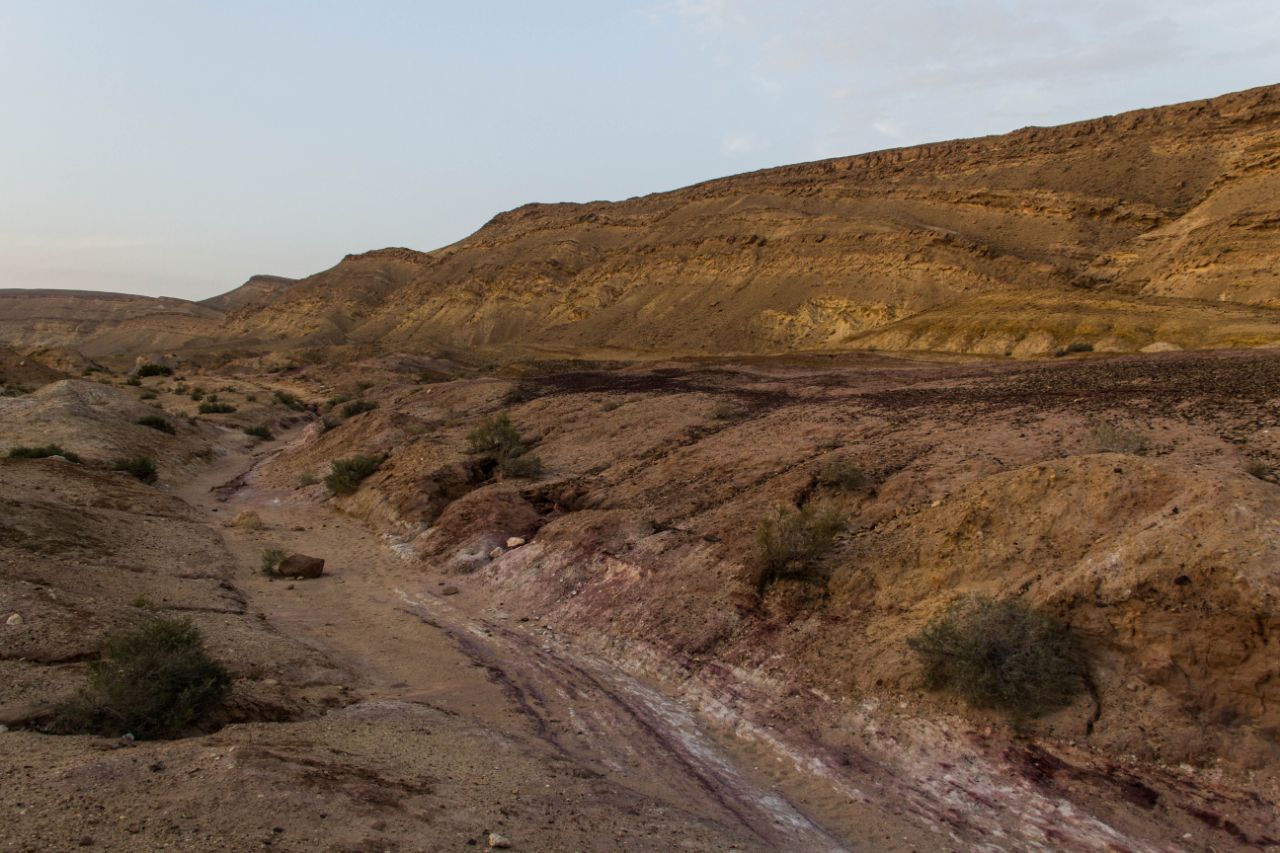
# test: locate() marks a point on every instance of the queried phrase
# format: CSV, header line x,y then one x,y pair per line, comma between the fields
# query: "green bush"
x,y
358,407
1260,469
841,473
262,432
497,440
793,540
270,559
154,681
346,474
156,422
150,369
141,467
290,400
44,451
999,653
216,408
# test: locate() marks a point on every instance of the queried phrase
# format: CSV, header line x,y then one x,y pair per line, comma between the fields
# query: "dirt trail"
x,y
377,617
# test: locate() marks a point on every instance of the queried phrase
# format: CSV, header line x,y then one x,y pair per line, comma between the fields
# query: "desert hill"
x,y
100,324
1120,233
1157,228
258,288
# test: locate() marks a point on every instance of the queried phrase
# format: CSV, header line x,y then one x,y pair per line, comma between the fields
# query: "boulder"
x,y
515,541
300,566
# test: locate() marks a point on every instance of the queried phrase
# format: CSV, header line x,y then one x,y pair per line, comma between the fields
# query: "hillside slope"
x,y
1130,223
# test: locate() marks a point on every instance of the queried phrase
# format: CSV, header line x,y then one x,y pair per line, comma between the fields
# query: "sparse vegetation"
x,y
154,681
1077,347
148,395
133,381
307,478
357,407
197,394
143,602
497,440
262,432
1260,469
1113,438
156,422
140,467
214,408
44,451
270,559
1000,653
150,369
843,474
291,401
346,474
793,540
726,410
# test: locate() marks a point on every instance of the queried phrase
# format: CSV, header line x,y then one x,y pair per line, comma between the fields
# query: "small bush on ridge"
x,y
141,467
154,681
358,407
214,408
999,653
262,432
150,369
793,540
156,422
345,475
44,451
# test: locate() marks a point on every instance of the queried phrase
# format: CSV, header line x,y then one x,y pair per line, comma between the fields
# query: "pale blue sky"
x,y
171,147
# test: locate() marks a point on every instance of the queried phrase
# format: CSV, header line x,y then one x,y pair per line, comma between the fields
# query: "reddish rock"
x,y
300,566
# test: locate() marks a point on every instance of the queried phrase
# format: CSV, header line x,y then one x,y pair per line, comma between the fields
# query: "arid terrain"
x,y
1038,367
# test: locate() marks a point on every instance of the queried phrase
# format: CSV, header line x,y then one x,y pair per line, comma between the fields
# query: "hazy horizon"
x,y
179,148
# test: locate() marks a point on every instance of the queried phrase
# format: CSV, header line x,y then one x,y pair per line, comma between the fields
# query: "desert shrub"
x,y
44,451
150,369
290,400
345,475
496,436
522,467
725,410
336,400
307,478
1079,346
143,602
1113,438
148,395
214,408
842,473
262,432
793,540
141,467
197,394
1000,653
133,381
1261,470
154,681
180,388
497,440
357,407
270,559
252,398
156,422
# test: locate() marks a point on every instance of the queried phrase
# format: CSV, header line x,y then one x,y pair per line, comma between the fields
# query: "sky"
x,y
174,147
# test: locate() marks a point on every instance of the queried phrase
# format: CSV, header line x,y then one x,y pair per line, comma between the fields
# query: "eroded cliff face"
x,y
1133,225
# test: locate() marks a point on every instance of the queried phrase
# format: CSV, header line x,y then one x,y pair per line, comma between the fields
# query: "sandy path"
x,y
377,617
